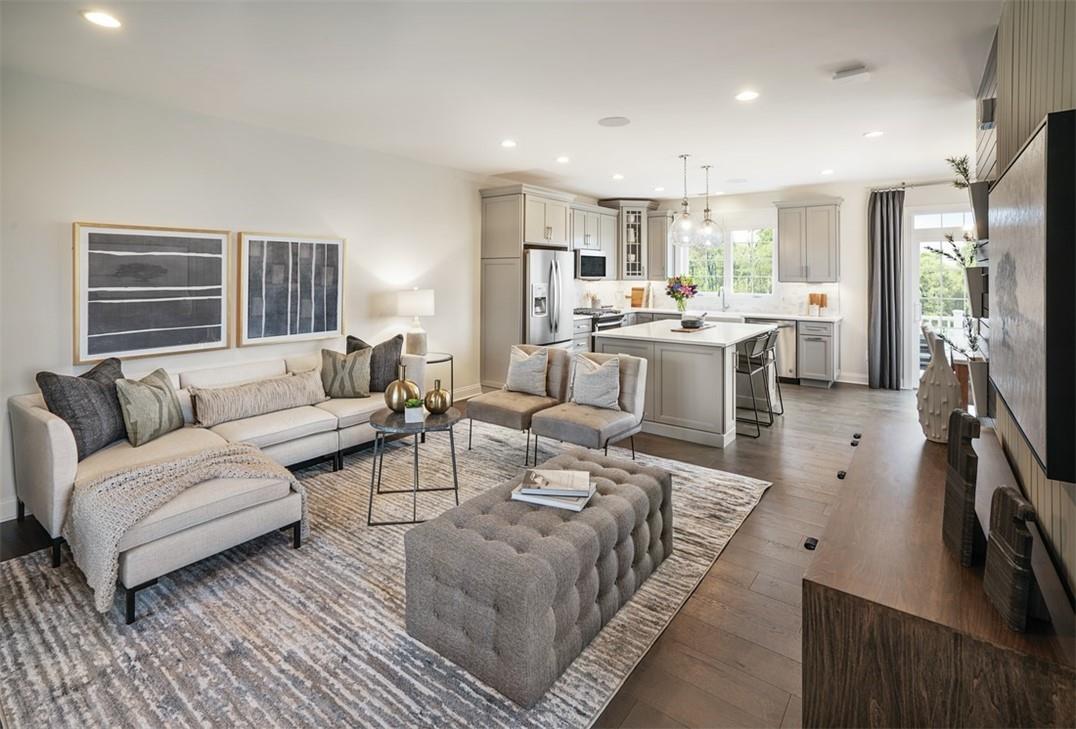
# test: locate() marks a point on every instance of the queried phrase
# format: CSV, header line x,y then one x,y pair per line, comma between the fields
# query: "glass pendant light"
x,y
682,230
707,233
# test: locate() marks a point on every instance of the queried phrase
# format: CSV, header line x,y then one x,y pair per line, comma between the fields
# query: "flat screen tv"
x,y
1033,292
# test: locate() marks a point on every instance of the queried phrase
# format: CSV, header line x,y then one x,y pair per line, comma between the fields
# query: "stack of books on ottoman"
x,y
560,489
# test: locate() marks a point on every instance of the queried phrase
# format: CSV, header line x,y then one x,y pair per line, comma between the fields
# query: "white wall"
x,y
72,153
848,297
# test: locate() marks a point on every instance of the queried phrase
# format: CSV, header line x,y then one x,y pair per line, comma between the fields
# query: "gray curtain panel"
x,y
885,238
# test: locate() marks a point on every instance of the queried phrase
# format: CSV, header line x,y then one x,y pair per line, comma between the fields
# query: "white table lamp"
x,y
415,303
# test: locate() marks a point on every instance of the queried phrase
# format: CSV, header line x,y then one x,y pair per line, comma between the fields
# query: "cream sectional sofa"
x,y
214,515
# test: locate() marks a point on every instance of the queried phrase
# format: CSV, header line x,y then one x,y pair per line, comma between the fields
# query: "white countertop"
x,y
722,334
745,314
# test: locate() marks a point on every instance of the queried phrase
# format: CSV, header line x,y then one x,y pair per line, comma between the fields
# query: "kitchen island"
x,y
690,376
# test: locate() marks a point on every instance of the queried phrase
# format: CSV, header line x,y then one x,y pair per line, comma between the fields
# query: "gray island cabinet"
x,y
690,377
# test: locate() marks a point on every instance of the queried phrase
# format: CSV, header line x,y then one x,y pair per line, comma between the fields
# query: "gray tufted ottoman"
x,y
513,592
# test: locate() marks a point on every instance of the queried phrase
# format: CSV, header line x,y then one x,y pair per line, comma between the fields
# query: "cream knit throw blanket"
x,y
102,511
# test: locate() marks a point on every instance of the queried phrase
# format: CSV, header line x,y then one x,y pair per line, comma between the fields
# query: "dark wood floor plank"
x,y
787,592
794,714
645,716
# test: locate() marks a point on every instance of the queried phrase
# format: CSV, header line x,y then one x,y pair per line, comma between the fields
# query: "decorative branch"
x,y
961,169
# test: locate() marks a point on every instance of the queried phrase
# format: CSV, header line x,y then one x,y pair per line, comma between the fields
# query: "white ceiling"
x,y
446,82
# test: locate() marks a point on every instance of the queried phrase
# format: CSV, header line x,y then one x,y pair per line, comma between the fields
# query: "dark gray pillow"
x,y
88,404
383,360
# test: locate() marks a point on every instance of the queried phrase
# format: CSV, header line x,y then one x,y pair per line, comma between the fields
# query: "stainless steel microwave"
x,y
590,265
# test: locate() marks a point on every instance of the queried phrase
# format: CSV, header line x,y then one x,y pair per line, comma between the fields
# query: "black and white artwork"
x,y
291,288
143,291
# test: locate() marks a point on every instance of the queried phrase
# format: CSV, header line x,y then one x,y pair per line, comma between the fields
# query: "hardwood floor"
x,y
731,656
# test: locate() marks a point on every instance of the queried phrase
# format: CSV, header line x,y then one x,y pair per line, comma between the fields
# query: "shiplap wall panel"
x,y
986,139
1054,501
1036,70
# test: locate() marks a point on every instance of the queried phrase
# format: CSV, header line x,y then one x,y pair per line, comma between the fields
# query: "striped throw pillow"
x,y
346,375
150,407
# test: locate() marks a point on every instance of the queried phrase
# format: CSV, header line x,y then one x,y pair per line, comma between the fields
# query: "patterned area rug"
x,y
263,635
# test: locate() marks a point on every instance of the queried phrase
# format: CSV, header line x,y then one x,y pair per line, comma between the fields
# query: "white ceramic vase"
x,y
939,391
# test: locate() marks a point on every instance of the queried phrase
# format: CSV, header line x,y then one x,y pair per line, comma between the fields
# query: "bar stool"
x,y
752,358
771,362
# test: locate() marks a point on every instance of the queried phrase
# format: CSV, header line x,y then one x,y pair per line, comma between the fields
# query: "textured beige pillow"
x,y
597,385
216,405
526,372
346,375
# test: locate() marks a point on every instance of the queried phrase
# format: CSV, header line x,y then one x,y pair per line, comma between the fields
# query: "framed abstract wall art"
x,y
141,290
290,288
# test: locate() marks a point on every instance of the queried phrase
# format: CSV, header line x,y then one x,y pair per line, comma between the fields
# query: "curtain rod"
x,y
909,185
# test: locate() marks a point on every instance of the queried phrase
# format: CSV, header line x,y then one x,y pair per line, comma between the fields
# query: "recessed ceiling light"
x,y
659,189
618,176
508,143
826,172
614,121
100,18
747,95
873,135
564,159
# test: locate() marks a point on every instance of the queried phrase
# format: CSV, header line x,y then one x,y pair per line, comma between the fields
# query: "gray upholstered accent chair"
x,y
593,427
515,409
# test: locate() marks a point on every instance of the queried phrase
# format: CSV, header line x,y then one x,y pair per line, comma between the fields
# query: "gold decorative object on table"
x,y
400,391
438,400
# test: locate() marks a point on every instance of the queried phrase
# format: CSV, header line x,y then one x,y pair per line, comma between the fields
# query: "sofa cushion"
x,y
88,404
583,424
346,375
207,501
150,407
215,405
122,455
384,358
272,428
351,411
507,409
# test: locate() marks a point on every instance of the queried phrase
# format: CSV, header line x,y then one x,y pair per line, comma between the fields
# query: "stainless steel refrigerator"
x,y
549,297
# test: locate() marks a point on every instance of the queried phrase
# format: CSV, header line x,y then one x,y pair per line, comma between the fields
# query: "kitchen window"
x,y
743,261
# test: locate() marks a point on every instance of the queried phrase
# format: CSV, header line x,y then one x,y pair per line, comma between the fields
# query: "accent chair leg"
x,y
633,448
130,594
470,433
338,461
606,447
296,535
20,510
56,542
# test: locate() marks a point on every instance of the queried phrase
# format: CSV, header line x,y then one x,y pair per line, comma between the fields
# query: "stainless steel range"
x,y
603,318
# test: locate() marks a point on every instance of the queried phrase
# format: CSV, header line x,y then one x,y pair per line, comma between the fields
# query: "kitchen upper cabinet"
x,y
657,241
632,250
545,222
808,242
586,229
578,229
607,241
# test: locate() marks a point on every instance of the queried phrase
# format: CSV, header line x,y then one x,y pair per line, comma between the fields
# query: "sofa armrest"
x,y
46,460
416,369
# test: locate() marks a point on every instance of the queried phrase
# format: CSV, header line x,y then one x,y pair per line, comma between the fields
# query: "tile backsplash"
x,y
787,298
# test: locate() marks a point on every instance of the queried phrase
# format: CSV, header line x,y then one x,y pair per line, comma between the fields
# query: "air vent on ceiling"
x,y
852,74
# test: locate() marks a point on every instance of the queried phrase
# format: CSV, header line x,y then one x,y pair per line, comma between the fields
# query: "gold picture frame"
x,y
133,297
289,287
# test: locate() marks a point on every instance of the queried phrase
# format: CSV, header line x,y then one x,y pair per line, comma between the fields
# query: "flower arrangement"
x,y
681,288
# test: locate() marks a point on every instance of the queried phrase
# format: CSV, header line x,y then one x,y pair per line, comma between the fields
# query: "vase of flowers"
x,y
680,289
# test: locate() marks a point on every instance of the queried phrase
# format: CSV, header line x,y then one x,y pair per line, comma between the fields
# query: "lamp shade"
x,y
415,302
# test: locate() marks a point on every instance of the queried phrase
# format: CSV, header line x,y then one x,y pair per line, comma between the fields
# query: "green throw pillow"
x,y
150,407
346,375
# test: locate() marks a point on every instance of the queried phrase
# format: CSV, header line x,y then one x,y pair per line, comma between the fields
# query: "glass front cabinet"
x,y
632,236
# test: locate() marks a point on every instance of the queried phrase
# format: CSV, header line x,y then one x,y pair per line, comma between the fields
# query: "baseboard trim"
x,y
462,393
8,510
854,379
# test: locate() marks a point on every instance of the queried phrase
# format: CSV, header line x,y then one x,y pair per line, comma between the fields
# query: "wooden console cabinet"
x,y
895,632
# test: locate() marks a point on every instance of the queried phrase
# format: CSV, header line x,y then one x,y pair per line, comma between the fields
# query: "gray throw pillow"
x,y
88,404
150,407
526,372
216,405
383,360
346,375
594,384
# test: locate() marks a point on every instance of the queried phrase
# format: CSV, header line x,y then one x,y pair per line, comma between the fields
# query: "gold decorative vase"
x,y
400,391
438,400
